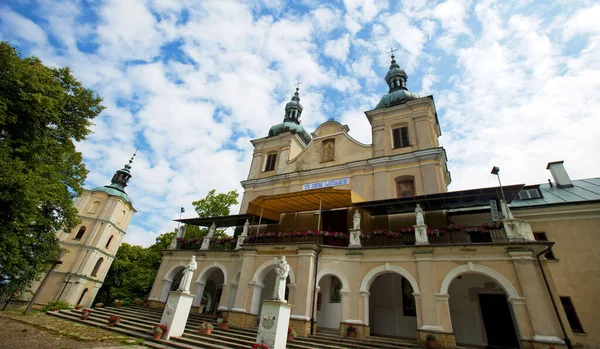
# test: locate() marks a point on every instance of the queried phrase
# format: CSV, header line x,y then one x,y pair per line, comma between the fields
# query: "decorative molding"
x,y
207,271
103,221
238,310
335,272
79,276
89,248
517,300
431,328
299,317
373,273
352,322
478,269
222,308
547,339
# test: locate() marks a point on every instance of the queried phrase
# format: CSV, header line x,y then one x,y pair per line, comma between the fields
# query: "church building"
x,y
375,240
90,248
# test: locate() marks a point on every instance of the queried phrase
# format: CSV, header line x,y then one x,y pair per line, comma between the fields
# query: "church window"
x,y
97,266
79,234
270,163
400,137
109,241
543,237
571,315
405,186
121,217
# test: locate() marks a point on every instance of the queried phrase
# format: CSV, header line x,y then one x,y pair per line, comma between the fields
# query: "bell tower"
x,y
105,213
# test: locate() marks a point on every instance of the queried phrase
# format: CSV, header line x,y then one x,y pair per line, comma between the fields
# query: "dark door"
x,y
498,321
336,221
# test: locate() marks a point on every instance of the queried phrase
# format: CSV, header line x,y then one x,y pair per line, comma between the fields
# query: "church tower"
x,y
105,213
405,130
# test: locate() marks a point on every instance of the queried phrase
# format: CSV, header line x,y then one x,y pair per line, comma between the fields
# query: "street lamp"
x,y
496,171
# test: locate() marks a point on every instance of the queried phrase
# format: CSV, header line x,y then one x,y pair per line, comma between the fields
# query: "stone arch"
x,y
205,273
482,270
169,275
338,274
388,268
265,268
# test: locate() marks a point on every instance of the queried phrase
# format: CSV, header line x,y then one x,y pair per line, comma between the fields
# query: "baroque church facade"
x,y
376,241
90,248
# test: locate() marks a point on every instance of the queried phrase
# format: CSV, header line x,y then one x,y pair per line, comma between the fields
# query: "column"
x,y
305,277
224,298
543,319
199,292
242,295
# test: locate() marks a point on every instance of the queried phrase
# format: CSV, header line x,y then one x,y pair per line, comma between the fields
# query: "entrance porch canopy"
x,y
461,199
271,206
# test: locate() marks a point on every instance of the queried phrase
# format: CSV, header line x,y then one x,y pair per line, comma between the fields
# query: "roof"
x,y
272,206
583,191
441,201
113,192
225,221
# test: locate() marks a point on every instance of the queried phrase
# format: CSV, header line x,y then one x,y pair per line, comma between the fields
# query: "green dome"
x,y
113,192
396,97
288,126
398,94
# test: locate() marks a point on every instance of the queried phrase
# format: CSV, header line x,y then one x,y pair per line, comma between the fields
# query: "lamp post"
x,y
496,171
180,213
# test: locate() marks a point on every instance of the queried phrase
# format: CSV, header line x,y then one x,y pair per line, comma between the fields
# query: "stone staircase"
x,y
139,322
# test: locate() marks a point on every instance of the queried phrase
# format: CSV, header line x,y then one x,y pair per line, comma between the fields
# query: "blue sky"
x,y
516,84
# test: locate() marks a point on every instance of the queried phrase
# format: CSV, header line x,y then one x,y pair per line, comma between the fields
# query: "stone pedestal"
x,y
355,238
205,243
274,324
518,230
421,234
240,242
175,315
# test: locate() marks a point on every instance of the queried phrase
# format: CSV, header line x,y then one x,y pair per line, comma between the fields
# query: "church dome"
x,y
119,182
398,93
291,120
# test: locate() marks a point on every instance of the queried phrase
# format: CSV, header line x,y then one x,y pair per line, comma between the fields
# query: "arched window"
x,y
109,241
121,217
82,295
94,207
97,266
79,234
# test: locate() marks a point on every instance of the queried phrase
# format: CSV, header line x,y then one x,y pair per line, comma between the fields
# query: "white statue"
x,y
356,220
246,226
419,214
211,231
188,272
282,268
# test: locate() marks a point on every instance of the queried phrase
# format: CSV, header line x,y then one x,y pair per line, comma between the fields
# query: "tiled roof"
x,y
583,190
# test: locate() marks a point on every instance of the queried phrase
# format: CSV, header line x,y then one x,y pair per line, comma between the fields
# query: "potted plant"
x,y
113,320
431,341
291,334
137,301
98,305
351,331
118,303
159,330
222,323
205,328
78,306
259,346
85,314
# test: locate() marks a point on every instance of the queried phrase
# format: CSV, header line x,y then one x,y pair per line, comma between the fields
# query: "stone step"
x,y
373,341
124,327
151,318
158,313
354,343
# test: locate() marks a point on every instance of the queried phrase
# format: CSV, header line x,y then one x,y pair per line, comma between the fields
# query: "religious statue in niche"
x,y
336,287
328,150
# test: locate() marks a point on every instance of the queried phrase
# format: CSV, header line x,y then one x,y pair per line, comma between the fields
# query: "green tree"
x,y
212,206
42,112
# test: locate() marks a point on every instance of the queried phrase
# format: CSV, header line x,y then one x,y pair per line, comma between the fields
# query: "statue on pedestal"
x,y
246,227
419,214
282,268
356,220
188,272
211,231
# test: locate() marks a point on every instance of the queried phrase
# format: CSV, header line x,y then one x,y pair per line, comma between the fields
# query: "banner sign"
x,y
325,184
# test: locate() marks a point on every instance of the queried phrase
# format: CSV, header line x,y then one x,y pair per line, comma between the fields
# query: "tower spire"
x,y
121,177
293,109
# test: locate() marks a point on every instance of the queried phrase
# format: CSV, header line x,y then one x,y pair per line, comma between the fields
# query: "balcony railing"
x,y
405,236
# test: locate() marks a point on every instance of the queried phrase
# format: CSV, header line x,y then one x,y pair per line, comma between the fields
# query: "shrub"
x,y
58,305
431,337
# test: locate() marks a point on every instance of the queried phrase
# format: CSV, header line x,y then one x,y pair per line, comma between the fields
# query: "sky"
x,y
516,84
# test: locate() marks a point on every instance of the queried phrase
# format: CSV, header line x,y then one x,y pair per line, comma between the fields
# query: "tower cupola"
x,y
119,182
398,93
291,120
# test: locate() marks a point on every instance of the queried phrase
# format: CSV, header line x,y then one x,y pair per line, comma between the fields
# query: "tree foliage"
x,y
42,111
212,206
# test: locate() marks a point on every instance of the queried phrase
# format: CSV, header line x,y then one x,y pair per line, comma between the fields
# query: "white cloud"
x,y
338,48
13,25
